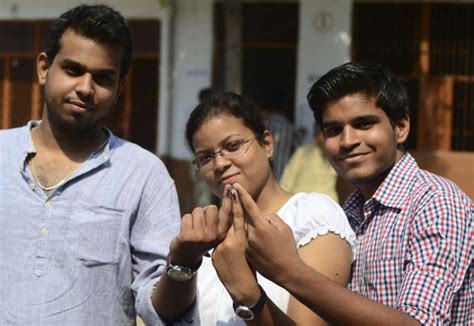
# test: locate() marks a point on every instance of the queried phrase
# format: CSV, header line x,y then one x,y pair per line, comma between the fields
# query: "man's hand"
x,y
200,232
271,248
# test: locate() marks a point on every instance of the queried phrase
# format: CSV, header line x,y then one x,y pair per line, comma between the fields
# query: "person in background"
x,y
415,249
87,218
285,139
202,195
309,170
232,148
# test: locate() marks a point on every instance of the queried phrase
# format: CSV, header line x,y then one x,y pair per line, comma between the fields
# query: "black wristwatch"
x,y
182,273
249,312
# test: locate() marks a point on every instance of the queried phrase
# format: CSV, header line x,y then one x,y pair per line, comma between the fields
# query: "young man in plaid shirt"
x,y
414,260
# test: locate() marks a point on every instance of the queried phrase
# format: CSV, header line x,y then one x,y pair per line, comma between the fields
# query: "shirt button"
x,y
44,232
47,205
32,186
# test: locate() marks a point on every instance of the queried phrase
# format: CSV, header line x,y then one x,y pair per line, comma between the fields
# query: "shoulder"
x,y
430,189
141,162
411,187
436,205
313,214
12,140
10,134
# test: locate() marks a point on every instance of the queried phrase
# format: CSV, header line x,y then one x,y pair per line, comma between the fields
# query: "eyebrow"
x,y
367,118
71,63
358,119
222,142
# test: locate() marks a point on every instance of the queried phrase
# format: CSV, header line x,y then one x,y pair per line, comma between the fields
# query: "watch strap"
x,y
192,268
181,273
257,307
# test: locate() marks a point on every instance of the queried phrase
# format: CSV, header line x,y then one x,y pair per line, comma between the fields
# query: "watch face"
x,y
244,312
178,273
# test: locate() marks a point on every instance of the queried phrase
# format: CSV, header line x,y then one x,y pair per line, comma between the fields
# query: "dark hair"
x,y
370,79
99,23
203,93
216,103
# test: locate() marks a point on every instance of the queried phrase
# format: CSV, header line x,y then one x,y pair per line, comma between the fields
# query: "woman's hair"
x,y
217,103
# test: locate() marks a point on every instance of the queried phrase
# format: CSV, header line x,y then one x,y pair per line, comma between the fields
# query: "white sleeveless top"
x,y
309,215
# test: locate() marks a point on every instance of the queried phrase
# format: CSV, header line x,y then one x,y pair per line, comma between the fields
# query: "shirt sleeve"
x,y
156,224
439,255
315,214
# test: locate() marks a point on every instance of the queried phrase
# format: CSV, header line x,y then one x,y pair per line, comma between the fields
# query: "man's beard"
x,y
72,122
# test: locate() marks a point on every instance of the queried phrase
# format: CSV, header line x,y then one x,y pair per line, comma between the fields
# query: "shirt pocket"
x,y
94,233
381,280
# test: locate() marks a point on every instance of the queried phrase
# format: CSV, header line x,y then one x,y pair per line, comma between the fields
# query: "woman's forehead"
x,y
219,128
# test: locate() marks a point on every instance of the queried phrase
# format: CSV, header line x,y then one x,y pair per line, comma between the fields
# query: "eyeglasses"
x,y
231,151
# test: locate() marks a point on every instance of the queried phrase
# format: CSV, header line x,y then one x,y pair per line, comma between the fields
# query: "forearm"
x,y
172,299
271,315
336,304
247,293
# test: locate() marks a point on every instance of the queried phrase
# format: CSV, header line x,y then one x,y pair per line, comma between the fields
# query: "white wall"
x,y
324,43
191,70
185,53
50,9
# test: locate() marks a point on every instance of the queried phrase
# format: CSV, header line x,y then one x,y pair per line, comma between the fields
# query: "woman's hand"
x,y
201,231
230,262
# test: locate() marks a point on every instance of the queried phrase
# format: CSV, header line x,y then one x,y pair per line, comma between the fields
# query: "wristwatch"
x,y
182,273
249,312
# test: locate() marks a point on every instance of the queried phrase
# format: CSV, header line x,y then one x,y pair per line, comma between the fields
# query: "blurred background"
x,y
271,51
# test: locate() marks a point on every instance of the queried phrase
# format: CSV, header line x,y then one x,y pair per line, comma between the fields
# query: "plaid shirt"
x,y
415,246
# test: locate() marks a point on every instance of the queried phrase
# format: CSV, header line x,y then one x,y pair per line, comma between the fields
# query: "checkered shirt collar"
x,y
392,192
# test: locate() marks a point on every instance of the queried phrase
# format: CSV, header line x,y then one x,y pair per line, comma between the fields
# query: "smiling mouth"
x,y
79,104
351,156
228,179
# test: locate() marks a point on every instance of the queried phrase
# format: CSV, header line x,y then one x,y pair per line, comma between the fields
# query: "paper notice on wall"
x,y
324,43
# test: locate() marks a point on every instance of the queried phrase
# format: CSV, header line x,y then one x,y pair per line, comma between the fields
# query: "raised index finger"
x,y
237,212
225,212
249,205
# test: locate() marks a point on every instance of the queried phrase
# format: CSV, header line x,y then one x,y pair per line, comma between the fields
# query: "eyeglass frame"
x,y
219,152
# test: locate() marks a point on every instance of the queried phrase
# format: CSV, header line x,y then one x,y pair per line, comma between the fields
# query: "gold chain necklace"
x,y
48,190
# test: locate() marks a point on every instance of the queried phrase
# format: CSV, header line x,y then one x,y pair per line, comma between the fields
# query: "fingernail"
x,y
234,194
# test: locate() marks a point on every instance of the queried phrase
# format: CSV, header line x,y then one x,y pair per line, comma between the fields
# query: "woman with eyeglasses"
x,y
233,150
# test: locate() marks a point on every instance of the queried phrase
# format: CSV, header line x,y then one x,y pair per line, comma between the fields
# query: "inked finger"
x,y
225,212
238,220
249,205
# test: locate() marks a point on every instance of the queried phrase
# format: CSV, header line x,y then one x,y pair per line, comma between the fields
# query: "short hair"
x,y
216,103
203,93
370,79
99,23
